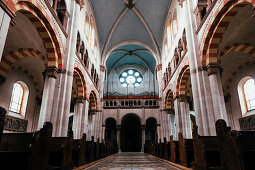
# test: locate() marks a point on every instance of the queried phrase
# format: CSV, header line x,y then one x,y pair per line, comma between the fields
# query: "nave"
x,y
132,161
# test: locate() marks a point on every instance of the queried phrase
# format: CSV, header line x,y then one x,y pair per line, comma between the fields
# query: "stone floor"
x,y
132,161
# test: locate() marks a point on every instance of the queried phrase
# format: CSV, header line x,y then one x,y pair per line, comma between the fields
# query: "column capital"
x,y
143,127
102,68
159,67
182,97
118,127
51,71
213,68
80,99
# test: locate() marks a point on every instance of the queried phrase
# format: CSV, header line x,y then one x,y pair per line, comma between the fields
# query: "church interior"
x,y
127,84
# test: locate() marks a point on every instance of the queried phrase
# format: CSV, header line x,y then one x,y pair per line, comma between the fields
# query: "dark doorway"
x,y
110,130
131,136
151,130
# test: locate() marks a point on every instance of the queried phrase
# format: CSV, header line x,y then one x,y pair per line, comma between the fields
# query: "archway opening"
x,y
131,136
110,130
151,130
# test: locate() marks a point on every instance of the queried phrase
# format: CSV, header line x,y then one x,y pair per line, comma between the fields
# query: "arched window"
x,y
92,33
169,33
175,23
246,93
87,25
19,98
249,94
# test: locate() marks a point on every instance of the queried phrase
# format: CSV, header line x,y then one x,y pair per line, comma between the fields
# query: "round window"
x,y
130,76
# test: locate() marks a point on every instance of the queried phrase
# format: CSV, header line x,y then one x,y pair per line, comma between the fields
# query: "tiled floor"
x,y
132,161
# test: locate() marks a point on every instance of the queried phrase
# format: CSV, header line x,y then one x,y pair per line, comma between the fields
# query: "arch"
x,y
223,16
242,48
14,56
111,130
92,101
135,42
124,116
41,21
80,82
169,99
130,136
182,80
151,130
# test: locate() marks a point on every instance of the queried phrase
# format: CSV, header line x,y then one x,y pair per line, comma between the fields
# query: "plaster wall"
x,y
6,92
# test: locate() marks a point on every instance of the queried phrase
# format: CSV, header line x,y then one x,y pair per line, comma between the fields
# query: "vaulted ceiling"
x,y
130,20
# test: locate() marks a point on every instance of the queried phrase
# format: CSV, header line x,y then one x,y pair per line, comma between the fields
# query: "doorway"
x,y
131,136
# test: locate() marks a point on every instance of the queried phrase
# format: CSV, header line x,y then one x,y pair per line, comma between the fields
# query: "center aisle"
x,y
132,161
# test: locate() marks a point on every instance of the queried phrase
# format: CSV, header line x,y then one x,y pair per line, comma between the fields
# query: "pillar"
x,y
67,77
5,19
185,117
78,117
219,106
143,127
118,136
48,97
178,121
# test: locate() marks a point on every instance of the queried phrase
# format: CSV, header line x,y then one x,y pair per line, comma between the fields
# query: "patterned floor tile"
x,y
132,161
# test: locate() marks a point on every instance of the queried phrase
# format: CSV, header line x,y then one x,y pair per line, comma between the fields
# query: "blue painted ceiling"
x,y
113,61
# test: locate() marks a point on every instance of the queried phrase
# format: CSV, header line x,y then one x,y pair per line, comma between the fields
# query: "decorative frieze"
x,y
247,123
15,124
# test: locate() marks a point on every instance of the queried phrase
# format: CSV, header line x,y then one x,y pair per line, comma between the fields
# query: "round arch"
x,y
131,136
219,24
14,56
135,42
41,21
181,84
80,82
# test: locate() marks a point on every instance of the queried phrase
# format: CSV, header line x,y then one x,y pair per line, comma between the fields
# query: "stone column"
x,y
118,136
77,118
219,106
67,77
185,118
143,127
178,120
5,19
84,122
48,97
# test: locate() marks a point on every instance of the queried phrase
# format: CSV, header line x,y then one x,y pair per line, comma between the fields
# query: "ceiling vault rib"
x,y
148,29
113,28
134,54
126,51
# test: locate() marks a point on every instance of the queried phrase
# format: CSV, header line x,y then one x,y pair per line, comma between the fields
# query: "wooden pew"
x,y
206,151
61,152
26,150
2,119
174,150
165,149
97,149
90,150
186,151
79,151
102,149
237,148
